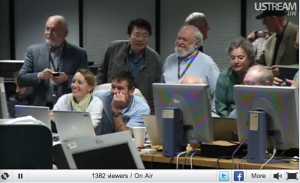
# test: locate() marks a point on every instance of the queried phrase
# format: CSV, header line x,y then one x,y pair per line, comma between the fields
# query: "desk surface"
x,y
211,162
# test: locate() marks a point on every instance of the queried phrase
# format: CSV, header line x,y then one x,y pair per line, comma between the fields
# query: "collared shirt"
x,y
203,66
133,116
277,44
224,96
135,65
55,55
259,45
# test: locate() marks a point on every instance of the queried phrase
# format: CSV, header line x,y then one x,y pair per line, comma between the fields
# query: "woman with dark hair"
x,y
81,99
241,54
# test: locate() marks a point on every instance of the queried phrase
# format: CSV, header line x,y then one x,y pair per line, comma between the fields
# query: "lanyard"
x,y
87,105
191,58
129,106
60,61
125,117
136,65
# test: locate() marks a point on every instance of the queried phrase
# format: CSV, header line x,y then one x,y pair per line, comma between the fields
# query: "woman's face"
x,y
80,87
239,60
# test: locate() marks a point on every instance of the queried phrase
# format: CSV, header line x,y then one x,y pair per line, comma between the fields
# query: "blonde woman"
x,y
81,98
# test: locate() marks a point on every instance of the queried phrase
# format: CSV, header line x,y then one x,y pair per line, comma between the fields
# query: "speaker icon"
x,y
277,176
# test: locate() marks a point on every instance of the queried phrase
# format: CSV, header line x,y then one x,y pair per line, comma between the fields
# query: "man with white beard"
x,y
188,61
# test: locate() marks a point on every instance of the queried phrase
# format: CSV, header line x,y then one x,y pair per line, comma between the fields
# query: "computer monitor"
x,y
3,102
37,112
112,151
9,67
287,72
194,102
281,105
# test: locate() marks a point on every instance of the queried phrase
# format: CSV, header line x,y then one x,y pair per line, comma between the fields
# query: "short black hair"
x,y
125,76
141,23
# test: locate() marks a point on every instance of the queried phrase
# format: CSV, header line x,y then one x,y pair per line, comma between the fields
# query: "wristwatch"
x,y
116,113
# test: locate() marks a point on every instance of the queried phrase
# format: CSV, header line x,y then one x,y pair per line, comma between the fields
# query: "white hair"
x,y
198,35
262,73
196,19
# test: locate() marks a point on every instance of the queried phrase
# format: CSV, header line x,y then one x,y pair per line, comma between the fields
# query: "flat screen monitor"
x,y
281,105
9,67
194,102
3,102
287,72
112,151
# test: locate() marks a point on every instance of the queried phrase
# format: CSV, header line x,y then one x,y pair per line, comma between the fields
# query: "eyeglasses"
x,y
141,36
296,45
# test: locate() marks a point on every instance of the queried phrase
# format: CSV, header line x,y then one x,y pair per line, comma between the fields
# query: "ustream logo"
x,y
289,7
238,176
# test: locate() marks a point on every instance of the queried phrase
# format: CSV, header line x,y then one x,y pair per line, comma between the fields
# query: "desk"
x,y
4,120
211,162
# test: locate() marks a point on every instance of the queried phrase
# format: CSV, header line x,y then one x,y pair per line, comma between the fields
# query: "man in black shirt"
x,y
280,48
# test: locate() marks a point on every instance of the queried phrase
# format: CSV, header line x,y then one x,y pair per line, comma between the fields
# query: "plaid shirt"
x,y
259,45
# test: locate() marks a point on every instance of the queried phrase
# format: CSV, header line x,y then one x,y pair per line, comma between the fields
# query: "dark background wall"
x,y
93,24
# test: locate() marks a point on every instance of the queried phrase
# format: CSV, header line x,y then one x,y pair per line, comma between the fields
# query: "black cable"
x,y
173,156
152,161
174,153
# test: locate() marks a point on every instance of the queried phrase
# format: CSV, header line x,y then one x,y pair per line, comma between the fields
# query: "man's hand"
x,y
119,101
275,70
45,74
293,83
60,79
252,36
52,116
277,81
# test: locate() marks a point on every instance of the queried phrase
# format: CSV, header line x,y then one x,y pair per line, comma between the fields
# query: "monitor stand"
x,y
257,141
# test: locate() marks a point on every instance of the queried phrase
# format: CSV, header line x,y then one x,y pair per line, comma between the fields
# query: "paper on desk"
x,y
24,120
56,143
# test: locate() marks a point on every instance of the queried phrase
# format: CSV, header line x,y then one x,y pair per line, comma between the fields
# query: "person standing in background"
x,y
133,56
49,67
295,81
198,20
189,61
280,48
259,40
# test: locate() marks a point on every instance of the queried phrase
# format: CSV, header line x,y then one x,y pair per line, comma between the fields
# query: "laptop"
x,y
73,125
225,129
39,113
151,127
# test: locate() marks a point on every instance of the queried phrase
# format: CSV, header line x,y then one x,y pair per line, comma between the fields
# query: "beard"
x,y
185,53
53,44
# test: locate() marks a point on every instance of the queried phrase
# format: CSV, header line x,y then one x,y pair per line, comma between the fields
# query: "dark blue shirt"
x,y
135,65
